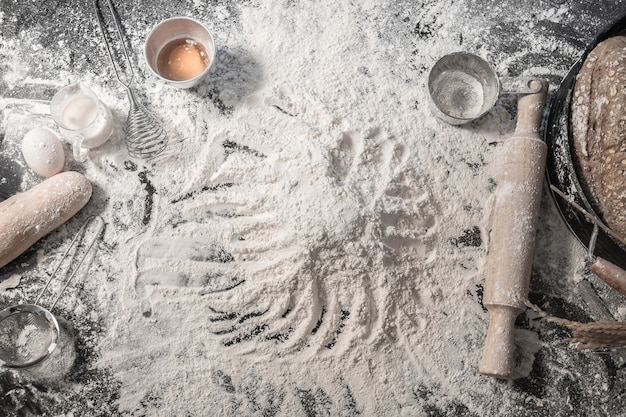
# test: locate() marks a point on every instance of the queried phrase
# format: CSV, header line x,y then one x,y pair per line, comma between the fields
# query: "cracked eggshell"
x,y
43,152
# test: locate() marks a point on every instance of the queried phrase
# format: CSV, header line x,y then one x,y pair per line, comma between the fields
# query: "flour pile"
x,y
294,245
312,240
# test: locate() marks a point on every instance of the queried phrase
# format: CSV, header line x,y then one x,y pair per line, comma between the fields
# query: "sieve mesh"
x,y
27,335
28,332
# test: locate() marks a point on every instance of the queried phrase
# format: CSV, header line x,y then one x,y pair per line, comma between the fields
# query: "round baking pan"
x,y
560,167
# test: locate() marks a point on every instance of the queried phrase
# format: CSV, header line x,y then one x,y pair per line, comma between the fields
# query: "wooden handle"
x,y
514,222
27,217
530,112
609,273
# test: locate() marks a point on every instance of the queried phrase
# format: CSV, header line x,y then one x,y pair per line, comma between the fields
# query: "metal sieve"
x,y
29,332
463,87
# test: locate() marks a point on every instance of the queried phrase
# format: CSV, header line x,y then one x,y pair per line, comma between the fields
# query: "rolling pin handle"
x,y
610,273
498,358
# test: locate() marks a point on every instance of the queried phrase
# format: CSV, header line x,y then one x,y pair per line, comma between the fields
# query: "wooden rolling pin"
x,y
27,217
513,228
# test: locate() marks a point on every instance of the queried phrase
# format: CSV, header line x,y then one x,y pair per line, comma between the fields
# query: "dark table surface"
x,y
509,34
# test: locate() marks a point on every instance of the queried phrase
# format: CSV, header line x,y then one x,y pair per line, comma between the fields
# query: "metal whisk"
x,y
145,137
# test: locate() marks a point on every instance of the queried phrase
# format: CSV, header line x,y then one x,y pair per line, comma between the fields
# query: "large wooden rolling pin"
x,y
513,228
27,217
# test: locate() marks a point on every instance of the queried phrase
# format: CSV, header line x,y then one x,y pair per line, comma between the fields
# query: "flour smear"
x,y
310,257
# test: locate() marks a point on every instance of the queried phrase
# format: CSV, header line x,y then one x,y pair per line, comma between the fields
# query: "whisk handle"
x,y
118,31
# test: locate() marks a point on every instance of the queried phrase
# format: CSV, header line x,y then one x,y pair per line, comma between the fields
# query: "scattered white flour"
x,y
11,282
299,249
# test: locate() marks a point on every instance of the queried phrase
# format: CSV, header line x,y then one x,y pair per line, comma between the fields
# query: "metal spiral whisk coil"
x,y
145,138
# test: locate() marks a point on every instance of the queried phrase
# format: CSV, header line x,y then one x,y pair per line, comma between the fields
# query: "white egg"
x,y
43,152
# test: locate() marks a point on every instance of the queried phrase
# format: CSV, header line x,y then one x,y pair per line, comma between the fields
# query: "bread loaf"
x,y
27,217
598,122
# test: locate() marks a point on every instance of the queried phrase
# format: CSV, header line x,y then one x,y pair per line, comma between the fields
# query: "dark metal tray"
x,y
560,168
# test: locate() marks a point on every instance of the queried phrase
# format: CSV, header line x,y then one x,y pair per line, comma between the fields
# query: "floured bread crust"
x,y
598,122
